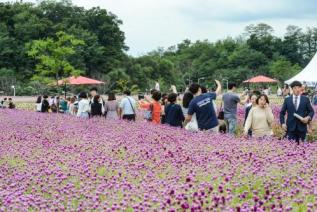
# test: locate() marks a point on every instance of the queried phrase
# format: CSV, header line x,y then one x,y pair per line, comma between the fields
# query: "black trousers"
x,y
129,117
296,136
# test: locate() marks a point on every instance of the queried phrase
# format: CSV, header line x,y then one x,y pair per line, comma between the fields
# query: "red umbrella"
x,y
79,81
261,79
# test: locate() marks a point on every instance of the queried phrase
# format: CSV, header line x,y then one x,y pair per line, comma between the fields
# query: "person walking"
x,y
299,113
96,107
202,106
11,104
187,98
45,106
155,107
230,107
83,106
279,92
4,103
53,104
173,112
63,105
286,91
38,104
260,118
72,109
127,107
93,93
164,102
192,125
112,107
253,98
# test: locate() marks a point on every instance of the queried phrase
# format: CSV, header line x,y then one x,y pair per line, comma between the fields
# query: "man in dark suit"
x,y
296,127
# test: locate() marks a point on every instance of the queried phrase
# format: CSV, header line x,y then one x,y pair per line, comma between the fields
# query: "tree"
x,y
291,48
283,69
52,57
309,43
246,57
259,30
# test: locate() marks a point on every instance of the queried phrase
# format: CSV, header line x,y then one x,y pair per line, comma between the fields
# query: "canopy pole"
x,y
65,89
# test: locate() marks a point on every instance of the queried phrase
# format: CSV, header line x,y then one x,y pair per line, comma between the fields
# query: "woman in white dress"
x,y
192,125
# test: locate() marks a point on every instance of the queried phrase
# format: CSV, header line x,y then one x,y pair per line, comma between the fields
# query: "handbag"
x,y
149,113
221,114
192,125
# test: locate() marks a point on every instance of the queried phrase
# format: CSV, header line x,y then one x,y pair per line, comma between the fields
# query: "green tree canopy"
x,y
52,57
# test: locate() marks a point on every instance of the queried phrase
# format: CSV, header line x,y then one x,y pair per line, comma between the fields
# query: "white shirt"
x,y
298,101
83,106
126,106
52,101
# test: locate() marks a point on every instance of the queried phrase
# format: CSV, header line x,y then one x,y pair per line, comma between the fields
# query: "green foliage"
x,y
52,56
4,72
123,85
283,69
45,41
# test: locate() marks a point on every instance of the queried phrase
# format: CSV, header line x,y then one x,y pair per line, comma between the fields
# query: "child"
x,y
173,112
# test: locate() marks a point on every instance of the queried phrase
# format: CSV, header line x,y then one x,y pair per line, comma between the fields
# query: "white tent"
x,y
308,74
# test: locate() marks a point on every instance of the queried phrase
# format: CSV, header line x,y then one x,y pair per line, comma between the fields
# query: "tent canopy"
x,y
308,74
80,80
261,79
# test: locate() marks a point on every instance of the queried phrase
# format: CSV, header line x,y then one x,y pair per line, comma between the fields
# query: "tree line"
x,y
51,40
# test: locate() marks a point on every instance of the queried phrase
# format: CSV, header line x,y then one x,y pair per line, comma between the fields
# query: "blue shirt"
x,y
174,115
205,113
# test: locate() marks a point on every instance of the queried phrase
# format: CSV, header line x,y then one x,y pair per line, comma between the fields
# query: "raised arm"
x,y
148,99
245,98
219,87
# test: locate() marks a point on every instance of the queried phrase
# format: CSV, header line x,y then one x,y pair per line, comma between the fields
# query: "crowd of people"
x,y
196,110
7,103
83,105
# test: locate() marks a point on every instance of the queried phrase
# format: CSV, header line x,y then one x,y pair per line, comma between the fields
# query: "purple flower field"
x,y
61,163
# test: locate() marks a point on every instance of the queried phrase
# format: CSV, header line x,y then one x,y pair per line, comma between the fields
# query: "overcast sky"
x,y
149,24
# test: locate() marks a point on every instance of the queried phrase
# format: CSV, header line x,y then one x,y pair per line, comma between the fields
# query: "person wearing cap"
x,y
299,113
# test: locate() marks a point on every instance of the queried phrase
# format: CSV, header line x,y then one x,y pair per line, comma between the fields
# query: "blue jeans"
x,y
231,125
